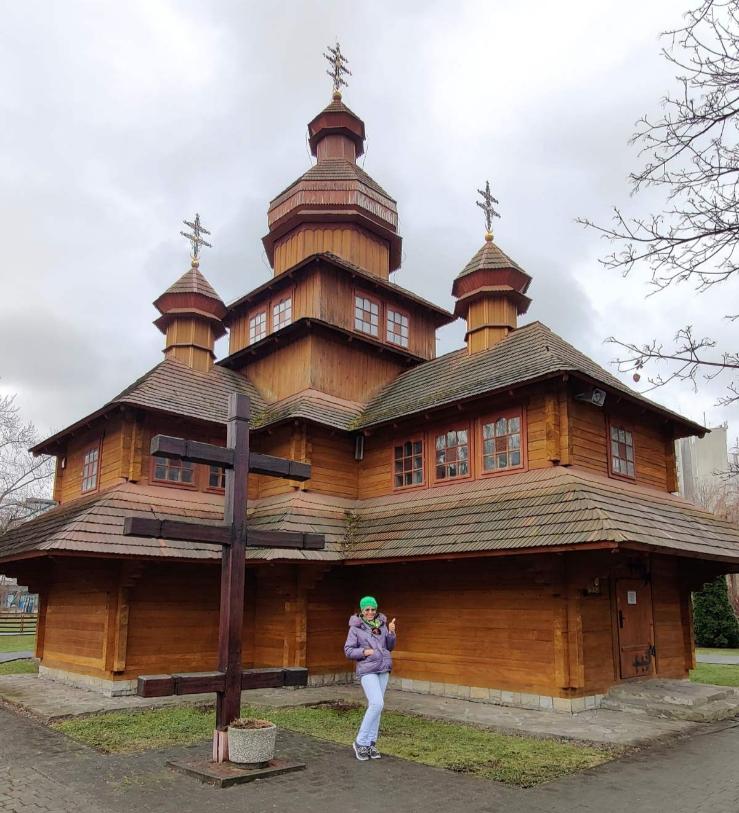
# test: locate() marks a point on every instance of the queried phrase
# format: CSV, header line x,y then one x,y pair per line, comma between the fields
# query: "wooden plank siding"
x,y
589,443
356,245
328,293
108,434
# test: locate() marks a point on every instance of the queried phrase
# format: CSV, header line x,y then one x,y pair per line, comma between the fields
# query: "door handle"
x,y
621,619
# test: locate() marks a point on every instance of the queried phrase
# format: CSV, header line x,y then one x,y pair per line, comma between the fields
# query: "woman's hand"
x,y
391,626
368,652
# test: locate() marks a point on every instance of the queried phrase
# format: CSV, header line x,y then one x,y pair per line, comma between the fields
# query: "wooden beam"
x,y
183,531
202,682
209,454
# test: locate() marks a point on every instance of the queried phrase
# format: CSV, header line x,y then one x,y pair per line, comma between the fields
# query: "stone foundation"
x,y
331,679
108,688
499,697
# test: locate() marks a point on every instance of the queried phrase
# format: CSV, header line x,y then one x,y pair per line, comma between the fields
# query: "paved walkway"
x,y
702,657
49,700
14,656
41,770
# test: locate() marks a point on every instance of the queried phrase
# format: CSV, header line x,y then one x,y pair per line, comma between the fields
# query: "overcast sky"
x,y
121,119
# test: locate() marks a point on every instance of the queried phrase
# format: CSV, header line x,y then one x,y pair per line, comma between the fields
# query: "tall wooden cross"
x,y
235,537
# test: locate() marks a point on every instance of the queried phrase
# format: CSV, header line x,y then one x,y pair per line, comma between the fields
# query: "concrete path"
x,y
41,770
5,657
49,700
711,658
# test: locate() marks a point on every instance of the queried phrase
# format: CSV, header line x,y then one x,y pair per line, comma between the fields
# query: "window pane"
x,y
502,461
514,441
488,430
441,441
515,458
440,470
500,426
417,447
514,425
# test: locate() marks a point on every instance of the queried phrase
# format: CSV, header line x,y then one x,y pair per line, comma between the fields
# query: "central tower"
x,y
335,206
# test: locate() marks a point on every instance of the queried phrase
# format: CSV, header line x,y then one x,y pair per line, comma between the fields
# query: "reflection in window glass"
x,y
452,455
622,452
408,464
501,444
173,471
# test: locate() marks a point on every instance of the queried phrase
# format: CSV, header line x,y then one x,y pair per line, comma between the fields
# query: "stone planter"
x,y
255,746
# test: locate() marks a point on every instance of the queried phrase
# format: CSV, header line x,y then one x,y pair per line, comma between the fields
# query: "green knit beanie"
x,y
367,601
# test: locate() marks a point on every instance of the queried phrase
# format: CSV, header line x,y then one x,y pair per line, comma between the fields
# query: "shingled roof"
x,y
336,169
489,256
530,353
552,507
193,282
94,525
311,405
176,388
557,508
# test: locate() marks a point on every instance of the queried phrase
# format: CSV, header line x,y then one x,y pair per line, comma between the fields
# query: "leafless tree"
x,y
22,476
691,152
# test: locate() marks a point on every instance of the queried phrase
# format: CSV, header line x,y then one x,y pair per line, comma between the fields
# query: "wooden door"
x,y
635,627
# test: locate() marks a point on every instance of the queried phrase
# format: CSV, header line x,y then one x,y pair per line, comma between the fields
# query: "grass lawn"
x,y
707,650
516,760
17,643
722,674
19,668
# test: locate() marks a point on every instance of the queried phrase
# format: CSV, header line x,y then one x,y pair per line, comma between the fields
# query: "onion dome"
x,y
191,319
336,201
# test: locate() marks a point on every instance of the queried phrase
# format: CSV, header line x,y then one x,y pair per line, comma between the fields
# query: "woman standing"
x,y
369,642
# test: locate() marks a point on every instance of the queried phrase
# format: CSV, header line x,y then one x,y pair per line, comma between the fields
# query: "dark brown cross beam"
x,y
235,536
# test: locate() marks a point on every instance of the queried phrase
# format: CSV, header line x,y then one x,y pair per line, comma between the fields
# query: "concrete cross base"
x,y
225,774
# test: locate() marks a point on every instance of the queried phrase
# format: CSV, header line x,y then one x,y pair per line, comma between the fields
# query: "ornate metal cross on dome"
x,y
487,206
338,63
195,239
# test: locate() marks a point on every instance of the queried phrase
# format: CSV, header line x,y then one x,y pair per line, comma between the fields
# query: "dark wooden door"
x,y
635,625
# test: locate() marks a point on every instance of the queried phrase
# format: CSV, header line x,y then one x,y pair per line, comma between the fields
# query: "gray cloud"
x,y
123,119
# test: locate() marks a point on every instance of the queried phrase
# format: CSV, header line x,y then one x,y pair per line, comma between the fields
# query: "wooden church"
x,y
511,502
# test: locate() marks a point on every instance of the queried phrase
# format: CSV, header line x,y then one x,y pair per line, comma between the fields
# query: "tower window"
x,y
173,471
621,449
452,454
257,327
397,328
366,315
90,466
282,313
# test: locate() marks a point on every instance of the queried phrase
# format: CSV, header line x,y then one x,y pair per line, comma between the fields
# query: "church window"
x,y
366,315
408,464
217,477
621,448
257,327
397,328
173,471
90,466
501,442
282,313
452,454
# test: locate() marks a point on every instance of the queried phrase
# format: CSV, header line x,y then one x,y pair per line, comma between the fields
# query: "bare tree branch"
x,y
23,478
691,151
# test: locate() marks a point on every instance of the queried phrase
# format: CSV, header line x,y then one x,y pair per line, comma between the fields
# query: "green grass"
x,y
722,674
506,758
26,667
17,643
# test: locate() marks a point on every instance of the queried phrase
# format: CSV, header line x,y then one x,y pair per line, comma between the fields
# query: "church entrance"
x,y
635,628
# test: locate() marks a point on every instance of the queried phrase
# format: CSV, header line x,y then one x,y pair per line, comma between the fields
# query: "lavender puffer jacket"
x,y
360,637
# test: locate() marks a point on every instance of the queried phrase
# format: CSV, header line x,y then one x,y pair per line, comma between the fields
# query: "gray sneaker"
x,y
362,752
374,753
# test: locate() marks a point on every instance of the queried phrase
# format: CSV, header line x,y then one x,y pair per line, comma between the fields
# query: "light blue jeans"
x,y
374,688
